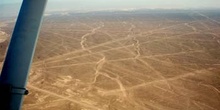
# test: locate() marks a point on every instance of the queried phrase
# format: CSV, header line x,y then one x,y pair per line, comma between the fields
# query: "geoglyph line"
x,y
109,42
64,97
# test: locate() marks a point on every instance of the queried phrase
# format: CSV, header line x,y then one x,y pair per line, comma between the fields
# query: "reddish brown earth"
x,y
139,60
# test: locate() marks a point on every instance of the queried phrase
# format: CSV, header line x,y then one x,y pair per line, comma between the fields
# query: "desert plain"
x,y
124,60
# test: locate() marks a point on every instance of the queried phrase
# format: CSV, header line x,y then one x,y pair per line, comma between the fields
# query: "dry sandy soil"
x,y
138,60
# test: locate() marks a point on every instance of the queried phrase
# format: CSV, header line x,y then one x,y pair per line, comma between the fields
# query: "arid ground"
x,y
125,60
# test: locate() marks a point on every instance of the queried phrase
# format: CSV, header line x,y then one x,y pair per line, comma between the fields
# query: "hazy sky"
x,y
126,4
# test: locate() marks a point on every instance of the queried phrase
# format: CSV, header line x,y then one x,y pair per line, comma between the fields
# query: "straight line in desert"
x,y
83,38
208,18
57,45
184,67
113,41
163,89
61,66
150,83
210,86
106,50
168,63
47,49
76,30
130,29
67,53
123,59
140,60
54,48
40,62
88,48
138,44
61,36
129,36
162,55
49,41
200,103
158,81
38,104
125,71
66,98
152,56
200,22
